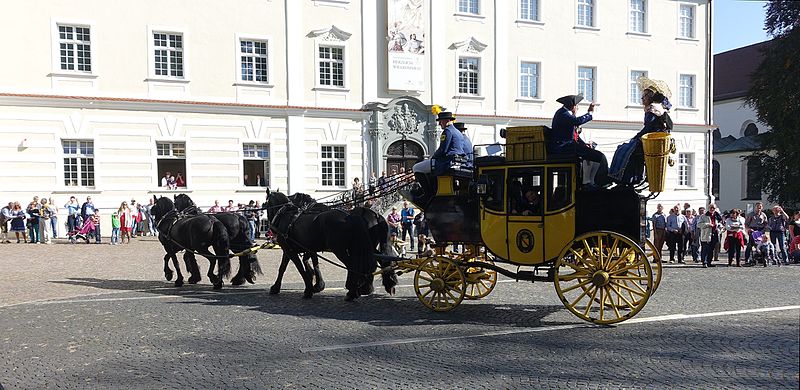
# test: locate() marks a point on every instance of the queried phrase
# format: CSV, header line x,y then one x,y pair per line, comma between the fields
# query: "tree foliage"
x,y
774,94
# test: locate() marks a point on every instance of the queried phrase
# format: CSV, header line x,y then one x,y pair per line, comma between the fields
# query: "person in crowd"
x,y
260,181
467,151
53,218
627,165
180,182
216,208
148,216
252,215
565,138
794,249
230,207
358,191
5,218
767,250
688,240
676,225
382,182
166,180
734,237
246,180
73,213
696,230
794,226
421,226
45,227
394,220
373,183
126,222
531,204
712,223
33,210
18,219
777,224
115,227
96,221
407,218
659,228
136,218
721,222
87,209
755,222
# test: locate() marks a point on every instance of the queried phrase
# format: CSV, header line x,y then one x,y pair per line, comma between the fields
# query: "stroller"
x,y
87,230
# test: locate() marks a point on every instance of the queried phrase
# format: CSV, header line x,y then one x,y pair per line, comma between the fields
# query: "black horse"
x,y
194,233
238,236
314,227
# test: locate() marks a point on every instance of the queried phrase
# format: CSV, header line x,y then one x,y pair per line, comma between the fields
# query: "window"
x,y
172,161
586,13
529,10
256,164
529,79
715,171
496,186
686,87
331,66
468,6
168,54
468,75
254,61
586,83
685,168
333,166
753,179
78,163
525,192
74,45
686,21
559,188
634,94
638,16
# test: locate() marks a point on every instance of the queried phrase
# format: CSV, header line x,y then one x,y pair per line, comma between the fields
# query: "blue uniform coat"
x,y
564,126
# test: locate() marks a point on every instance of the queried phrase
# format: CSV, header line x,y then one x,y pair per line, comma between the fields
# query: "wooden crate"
x,y
525,143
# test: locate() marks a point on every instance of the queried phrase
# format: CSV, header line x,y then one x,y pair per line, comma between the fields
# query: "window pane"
x,y
635,96
586,83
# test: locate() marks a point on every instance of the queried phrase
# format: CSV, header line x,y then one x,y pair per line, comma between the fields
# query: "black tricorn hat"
x,y
460,126
570,101
445,115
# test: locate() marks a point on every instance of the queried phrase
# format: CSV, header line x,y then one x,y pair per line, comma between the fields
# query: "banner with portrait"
x,y
406,45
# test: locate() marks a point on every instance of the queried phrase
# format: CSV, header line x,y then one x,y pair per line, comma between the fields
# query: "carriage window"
x,y
559,188
525,191
494,200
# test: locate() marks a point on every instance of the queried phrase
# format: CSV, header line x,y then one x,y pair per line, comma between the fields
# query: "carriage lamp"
x,y
502,133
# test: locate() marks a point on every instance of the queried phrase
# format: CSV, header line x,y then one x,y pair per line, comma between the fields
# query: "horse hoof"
x,y
217,286
390,290
308,295
237,281
168,276
179,283
319,287
274,290
251,279
194,280
351,296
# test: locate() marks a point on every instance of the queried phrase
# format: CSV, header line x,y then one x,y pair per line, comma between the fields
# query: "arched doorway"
x,y
403,154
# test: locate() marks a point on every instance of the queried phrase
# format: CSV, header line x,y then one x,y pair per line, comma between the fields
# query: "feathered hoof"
x,y
274,290
390,290
351,296
218,286
194,279
237,280
308,294
168,275
179,283
251,279
319,287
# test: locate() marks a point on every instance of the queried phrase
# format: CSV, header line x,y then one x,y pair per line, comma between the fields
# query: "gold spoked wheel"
x,y
603,277
439,283
655,262
480,281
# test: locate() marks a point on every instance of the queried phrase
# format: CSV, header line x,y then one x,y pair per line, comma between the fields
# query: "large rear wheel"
x,y
603,277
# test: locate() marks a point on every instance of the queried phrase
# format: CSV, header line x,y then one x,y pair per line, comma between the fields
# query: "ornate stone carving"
x,y
404,120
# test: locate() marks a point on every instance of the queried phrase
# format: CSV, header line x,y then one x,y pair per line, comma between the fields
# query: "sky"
x,y
738,23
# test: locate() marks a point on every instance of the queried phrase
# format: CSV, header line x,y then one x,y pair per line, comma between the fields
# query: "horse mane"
x,y
302,200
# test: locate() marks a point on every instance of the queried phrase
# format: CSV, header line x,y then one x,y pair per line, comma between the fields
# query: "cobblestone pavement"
x,y
101,317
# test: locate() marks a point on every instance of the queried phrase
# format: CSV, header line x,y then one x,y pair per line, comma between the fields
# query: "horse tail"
x,y
221,244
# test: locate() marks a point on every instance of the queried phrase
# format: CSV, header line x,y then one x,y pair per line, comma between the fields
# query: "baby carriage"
x,y
87,230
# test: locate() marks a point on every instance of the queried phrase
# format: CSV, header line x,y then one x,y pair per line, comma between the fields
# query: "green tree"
x,y
775,94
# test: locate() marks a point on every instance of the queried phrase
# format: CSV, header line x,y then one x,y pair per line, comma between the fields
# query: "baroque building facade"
x,y
305,95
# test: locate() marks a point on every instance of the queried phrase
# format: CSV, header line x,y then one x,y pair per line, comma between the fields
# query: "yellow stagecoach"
x,y
525,215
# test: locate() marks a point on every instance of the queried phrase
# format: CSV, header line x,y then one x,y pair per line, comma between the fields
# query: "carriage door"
x,y
560,213
525,205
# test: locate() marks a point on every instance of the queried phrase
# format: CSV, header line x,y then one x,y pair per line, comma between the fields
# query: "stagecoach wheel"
x,y
655,262
603,277
439,283
480,281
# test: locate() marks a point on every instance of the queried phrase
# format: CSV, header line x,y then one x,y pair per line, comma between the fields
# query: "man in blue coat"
x,y
467,145
565,139
450,145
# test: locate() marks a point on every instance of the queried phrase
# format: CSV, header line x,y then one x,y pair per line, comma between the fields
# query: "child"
x,y
424,247
767,250
96,222
115,228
